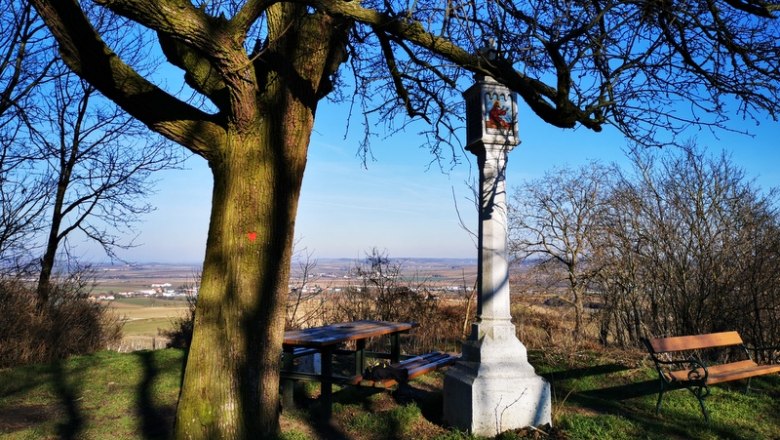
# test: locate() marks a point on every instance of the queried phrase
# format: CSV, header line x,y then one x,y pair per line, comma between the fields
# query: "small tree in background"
x,y
381,291
98,164
306,304
558,221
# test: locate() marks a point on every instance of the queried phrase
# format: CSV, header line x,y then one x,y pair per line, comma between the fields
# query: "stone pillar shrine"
x,y
493,388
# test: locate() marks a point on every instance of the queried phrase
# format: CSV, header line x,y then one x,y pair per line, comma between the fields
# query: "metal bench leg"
x,y
747,387
701,392
660,397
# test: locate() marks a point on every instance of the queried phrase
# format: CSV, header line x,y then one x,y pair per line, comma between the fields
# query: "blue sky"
x,y
400,202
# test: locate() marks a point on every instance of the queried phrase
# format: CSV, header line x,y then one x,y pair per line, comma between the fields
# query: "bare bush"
x,y
681,244
70,324
691,250
180,335
382,292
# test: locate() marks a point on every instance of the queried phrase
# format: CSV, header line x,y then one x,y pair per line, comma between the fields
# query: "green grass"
x,y
105,395
595,396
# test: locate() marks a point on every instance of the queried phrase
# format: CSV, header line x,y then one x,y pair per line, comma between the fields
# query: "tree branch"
x,y
85,52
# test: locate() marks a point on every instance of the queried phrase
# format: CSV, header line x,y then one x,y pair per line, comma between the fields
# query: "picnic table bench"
x,y
693,372
328,341
404,371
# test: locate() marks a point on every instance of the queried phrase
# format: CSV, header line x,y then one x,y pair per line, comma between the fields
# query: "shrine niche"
x,y
491,113
500,115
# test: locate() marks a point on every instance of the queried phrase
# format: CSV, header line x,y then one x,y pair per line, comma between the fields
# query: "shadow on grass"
x,y
156,421
629,401
431,403
578,373
310,409
67,390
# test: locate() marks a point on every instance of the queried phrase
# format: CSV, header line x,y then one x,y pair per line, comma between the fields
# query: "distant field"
x,y
136,303
144,317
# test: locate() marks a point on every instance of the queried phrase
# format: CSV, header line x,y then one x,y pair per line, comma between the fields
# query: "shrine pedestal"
x,y
493,388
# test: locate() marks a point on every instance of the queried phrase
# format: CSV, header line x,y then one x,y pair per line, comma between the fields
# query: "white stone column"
x,y
493,388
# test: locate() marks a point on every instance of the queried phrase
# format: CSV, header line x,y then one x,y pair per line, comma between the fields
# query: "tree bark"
x,y
231,382
239,325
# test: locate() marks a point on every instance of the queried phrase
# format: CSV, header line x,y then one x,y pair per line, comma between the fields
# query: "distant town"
x,y
171,281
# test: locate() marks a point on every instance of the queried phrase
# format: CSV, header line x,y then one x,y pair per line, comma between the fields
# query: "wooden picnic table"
x,y
328,340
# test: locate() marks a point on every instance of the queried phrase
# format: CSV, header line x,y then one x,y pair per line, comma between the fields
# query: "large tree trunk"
x,y
231,382
256,146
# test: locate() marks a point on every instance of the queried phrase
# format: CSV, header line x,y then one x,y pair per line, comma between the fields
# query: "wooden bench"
x,y
693,372
404,371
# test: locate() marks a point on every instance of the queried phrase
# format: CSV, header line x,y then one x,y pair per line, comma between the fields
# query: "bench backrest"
x,y
696,342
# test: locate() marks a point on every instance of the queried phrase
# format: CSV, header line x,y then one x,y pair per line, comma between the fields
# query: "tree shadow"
x,y
156,421
67,393
578,373
430,402
627,400
626,391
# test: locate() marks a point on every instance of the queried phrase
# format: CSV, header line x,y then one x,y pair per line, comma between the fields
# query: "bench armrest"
x,y
697,369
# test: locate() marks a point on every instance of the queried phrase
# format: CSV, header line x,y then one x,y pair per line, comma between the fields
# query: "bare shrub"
x,y
381,291
69,324
180,336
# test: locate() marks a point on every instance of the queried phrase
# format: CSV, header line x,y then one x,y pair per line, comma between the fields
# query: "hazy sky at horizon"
x,y
401,202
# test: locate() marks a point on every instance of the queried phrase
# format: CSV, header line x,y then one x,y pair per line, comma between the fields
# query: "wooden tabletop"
x,y
342,332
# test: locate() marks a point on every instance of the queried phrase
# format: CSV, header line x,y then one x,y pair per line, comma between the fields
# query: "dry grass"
x,y
142,321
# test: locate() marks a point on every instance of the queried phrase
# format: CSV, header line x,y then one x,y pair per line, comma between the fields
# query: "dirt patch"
x,y
24,416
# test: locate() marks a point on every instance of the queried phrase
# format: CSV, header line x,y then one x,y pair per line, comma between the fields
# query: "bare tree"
x,y
99,162
558,220
22,204
264,66
26,56
688,249
306,302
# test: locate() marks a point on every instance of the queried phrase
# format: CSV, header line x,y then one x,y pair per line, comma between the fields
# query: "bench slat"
x,y
737,374
423,369
714,370
413,367
696,342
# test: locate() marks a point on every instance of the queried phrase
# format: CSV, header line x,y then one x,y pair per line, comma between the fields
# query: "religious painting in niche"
x,y
499,113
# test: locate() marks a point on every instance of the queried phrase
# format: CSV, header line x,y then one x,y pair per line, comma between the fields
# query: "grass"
x,y
596,395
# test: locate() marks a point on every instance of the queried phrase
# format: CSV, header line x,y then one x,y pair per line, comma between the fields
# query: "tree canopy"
x,y
649,68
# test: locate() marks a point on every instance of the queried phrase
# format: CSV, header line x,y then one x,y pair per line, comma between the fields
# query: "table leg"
x,y
326,386
395,348
360,356
287,384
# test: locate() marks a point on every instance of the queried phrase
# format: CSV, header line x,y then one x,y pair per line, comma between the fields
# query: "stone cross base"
x,y
493,388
